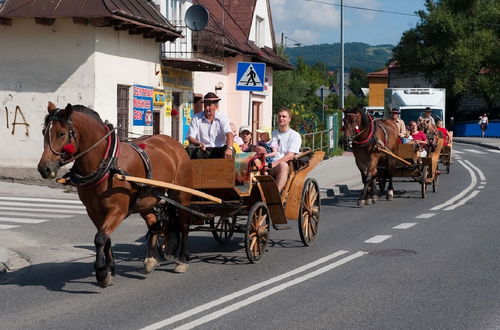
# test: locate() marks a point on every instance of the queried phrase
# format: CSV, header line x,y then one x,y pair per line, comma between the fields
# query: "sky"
x,y
311,22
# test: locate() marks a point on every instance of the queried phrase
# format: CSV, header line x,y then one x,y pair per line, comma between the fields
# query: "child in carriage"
x,y
267,143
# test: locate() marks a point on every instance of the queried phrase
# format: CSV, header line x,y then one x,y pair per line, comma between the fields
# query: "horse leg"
x,y
362,196
370,179
390,190
104,265
182,263
154,229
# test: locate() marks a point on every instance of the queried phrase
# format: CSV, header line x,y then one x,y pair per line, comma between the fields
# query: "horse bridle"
x,y
352,139
71,136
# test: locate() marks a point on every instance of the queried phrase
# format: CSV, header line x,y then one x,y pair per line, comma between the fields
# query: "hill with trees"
x,y
356,54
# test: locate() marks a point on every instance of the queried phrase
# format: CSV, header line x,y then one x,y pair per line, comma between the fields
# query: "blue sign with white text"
x,y
250,76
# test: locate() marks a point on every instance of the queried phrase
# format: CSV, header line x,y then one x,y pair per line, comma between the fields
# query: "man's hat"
x,y
245,128
394,110
428,109
211,98
265,129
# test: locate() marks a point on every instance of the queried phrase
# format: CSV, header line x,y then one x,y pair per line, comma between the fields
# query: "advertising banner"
x,y
168,103
143,105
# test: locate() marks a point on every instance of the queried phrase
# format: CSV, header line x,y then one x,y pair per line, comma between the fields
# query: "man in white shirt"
x,y
289,142
210,131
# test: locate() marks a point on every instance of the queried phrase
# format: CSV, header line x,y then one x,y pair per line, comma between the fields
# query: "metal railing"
x,y
196,45
317,140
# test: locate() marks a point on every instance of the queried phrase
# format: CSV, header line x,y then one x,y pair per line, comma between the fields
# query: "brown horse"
x,y
78,134
368,136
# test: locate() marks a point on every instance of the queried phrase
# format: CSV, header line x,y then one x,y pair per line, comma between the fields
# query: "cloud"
x,y
305,36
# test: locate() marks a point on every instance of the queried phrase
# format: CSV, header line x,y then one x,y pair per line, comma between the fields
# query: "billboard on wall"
x,y
143,105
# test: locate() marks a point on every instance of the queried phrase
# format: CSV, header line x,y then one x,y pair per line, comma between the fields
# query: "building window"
x,y
259,31
123,100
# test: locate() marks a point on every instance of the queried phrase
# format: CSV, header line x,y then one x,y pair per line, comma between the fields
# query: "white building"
x,y
78,52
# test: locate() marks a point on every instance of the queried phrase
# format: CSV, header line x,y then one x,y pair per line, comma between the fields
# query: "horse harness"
x,y
108,164
371,140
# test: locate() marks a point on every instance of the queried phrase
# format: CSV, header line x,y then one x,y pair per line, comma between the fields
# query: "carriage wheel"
x,y
223,231
423,180
257,232
309,212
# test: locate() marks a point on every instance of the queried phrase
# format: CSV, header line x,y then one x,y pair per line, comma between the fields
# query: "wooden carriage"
x,y
237,195
422,169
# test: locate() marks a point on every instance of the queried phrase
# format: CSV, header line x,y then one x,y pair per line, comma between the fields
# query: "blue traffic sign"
x,y
250,76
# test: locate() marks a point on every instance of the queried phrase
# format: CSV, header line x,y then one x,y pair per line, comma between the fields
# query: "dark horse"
x,y
368,136
78,134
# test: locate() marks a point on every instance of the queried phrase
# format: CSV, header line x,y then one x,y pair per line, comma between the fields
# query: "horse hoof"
x,y
181,267
361,202
375,198
390,196
369,201
108,281
150,264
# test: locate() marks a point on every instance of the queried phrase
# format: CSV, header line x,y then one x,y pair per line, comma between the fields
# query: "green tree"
x,y
357,80
456,45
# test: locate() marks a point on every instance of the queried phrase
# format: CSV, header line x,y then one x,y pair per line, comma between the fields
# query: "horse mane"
x,y
78,108
365,119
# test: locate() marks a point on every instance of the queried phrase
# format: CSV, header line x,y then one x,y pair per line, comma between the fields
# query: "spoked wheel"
x,y
223,231
257,232
167,244
309,212
423,180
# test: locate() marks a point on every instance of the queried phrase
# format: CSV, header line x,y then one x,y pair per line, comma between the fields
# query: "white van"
x,y
376,112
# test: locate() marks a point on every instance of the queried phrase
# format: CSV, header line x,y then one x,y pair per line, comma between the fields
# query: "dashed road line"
x,y
378,239
481,174
35,215
28,209
425,215
8,203
7,227
405,225
35,199
496,151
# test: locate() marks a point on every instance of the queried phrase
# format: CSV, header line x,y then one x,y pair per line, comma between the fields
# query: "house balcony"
x,y
197,51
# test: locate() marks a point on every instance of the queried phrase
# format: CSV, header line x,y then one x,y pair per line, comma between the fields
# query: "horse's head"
x,y
354,122
59,139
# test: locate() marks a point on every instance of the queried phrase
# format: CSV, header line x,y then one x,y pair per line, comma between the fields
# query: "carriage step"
x,y
281,227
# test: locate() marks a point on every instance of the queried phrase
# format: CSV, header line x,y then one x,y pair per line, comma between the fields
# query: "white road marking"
x,y
425,215
7,227
405,225
34,199
465,191
493,150
463,201
271,291
481,174
242,292
21,220
27,209
35,215
457,152
480,187
77,207
378,239
476,151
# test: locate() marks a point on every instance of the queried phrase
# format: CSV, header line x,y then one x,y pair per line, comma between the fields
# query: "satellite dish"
x,y
196,17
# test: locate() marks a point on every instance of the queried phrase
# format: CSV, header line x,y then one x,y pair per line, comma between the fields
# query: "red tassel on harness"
x,y
142,146
357,129
69,149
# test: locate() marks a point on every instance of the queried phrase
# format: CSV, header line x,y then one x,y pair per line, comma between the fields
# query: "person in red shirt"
x,y
446,135
417,136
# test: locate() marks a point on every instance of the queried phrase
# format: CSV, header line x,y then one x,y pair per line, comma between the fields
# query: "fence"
x,y
323,140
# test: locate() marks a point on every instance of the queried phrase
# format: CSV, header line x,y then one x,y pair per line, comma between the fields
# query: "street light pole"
x,y
342,54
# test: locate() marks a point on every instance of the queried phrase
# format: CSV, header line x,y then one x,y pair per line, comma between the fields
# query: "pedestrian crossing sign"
x,y
250,76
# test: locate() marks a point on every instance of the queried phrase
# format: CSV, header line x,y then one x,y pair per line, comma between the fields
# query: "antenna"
x,y
196,17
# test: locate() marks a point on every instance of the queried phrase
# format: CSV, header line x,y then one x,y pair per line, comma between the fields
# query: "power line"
x,y
363,8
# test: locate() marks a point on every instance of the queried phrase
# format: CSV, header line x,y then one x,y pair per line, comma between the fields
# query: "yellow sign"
x,y
177,78
168,103
158,98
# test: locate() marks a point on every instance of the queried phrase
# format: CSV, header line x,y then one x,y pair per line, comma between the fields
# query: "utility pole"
x,y
342,54
282,39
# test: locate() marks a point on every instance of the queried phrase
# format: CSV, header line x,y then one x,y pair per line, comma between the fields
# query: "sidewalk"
x,y
490,143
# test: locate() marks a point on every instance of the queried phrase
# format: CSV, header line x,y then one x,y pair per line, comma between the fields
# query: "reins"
x,y
370,135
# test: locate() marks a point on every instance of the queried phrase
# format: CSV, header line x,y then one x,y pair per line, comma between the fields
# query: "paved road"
x,y
409,263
